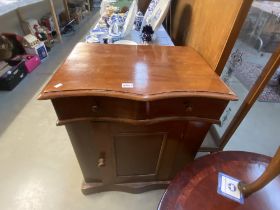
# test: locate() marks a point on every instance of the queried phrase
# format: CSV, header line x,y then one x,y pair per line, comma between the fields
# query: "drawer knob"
x,y
101,160
188,107
94,108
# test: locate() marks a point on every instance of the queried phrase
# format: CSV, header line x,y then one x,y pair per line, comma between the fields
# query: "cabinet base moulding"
x,y
138,187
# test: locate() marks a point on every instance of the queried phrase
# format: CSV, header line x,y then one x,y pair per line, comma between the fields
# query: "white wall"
x,y
10,22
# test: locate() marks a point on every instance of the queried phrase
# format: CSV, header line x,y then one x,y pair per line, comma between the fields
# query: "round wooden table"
x,y
195,188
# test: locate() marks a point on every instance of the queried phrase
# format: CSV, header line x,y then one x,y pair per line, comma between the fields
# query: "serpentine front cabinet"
x,y
135,114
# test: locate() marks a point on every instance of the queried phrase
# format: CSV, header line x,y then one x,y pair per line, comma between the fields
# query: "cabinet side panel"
x,y
83,142
194,134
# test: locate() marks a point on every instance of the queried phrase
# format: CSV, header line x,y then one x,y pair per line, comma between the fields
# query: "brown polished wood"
x,y
137,112
272,171
195,188
210,27
135,139
156,72
139,187
143,5
141,122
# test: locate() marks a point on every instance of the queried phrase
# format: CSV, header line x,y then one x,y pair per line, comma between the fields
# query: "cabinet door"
x,y
137,153
112,153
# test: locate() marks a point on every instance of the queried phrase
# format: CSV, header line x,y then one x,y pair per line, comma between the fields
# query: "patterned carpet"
x,y
247,63
247,73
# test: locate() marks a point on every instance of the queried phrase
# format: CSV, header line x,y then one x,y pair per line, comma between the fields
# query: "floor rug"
x,y
247,73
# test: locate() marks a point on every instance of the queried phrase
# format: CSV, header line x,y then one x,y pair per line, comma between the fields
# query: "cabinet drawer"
x,y
205,108
113,109
102,107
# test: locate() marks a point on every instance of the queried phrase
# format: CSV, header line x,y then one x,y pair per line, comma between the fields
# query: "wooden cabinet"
x,y
135,139
116,155
121,141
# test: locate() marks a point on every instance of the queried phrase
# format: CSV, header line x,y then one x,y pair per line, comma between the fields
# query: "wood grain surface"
x,y
156,72
195,188
210,27
138,112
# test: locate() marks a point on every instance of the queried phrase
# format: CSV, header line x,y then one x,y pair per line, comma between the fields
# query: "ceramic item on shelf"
x,y
126,42
156,13
102,23
115,32
125,15
92,39
115,38
114,29
98,34
98,31
116,18
138,20
129,21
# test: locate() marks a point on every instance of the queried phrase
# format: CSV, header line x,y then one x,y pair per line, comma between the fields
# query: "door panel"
x,y
137,149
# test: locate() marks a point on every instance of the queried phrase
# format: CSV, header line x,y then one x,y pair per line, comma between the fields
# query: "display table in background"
x,y
161,37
